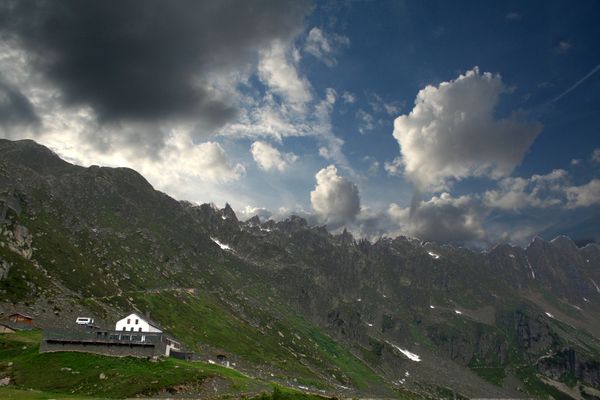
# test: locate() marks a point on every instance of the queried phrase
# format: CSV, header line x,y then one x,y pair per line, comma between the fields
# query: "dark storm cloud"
x,y
147,60
15,108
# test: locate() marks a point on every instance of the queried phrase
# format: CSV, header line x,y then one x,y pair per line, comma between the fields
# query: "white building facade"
x,y
136,323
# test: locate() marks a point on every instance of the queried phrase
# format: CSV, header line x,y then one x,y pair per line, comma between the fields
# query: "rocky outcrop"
x,y
4,269
567,364
13,234
534,335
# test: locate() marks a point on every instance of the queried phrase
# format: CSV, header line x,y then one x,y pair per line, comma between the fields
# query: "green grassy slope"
x,y
83,375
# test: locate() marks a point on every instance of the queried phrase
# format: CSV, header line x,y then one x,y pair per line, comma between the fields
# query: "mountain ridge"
x,y
100,240
31,144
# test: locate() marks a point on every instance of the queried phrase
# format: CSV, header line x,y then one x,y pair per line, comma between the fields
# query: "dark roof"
x,y
7,326
16,326
145,318
22,315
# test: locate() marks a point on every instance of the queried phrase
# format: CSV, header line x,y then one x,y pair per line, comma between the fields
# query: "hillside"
x,y
294,304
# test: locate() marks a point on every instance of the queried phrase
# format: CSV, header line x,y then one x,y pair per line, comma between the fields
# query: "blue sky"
x,y
462,122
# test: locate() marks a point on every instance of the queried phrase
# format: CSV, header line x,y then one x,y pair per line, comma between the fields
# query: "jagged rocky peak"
x,y
228,212
254,221
292,224
345,238
208,210
269,224
33,155
121,176
502,247
188,205
563,242
506,250
537,244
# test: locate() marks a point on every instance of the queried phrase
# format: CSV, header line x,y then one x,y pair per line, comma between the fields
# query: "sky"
x,y
470,123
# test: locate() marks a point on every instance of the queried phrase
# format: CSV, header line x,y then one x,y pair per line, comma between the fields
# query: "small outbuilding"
x,y
21,318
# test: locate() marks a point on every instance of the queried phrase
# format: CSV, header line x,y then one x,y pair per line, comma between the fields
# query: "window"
x,y
131,329
124,328
140,329
128,321
136,321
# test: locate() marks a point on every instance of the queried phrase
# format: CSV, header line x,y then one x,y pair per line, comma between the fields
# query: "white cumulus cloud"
x,y
452,133
276,68
514,193
443,219
207,161
269,158
335,199
584,195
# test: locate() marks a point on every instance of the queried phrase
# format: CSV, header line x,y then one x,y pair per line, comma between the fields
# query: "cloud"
x,y
277,70
394,167
322,129
515,210
325,46
539,191
443,219
584,195
366,122
378,105
269,158
187,52
207,161
513,16
552,190
335,199
373,168
596,155
148,61
348,97
249,212
452,133
15,108
563,46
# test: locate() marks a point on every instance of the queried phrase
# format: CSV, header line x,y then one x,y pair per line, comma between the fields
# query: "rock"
x,y
4,269
66,369
102,376
5,381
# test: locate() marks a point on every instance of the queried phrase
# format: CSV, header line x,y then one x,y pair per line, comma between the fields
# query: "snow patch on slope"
x,y
595,285
408,354
433,255
223,246
530,268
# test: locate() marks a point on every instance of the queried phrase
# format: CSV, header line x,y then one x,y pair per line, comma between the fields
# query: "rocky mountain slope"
x,y
294,303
